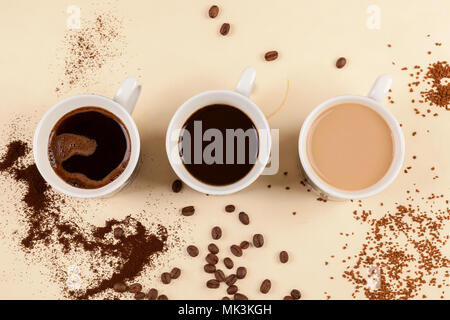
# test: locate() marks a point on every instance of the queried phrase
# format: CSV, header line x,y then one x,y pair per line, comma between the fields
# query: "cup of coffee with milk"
x,y
352,147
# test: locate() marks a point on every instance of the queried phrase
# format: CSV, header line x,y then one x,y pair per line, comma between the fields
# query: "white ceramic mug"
x,y
373,101
121,106
238,99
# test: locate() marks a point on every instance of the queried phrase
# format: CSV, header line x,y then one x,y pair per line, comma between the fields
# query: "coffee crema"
x,y
350,146
219,144
89,147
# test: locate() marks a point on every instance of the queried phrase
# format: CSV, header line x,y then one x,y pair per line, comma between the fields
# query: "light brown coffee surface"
x,y
350,146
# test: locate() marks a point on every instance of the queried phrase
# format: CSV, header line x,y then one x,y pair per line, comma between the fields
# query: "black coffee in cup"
x,y
89,147
219,144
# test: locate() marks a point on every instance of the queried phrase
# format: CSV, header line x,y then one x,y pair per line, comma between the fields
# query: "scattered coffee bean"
x,y
212,258
284,256
224,29
216,233
209,268
265,286
236,250
165,277
271,55
232,289
152,294
230,208
118,233
135,288
188,211
213,284
177,185
225,298
340,63
220,275
288,298
139,295
258,240
243,217
241,272
120,287
240,296
244,244
296,294
175,273
231,279
213,248
213,11
228,263
163,297
192,251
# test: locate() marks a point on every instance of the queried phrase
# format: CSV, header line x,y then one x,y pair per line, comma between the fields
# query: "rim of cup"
x,y
397,158
45,126
204,99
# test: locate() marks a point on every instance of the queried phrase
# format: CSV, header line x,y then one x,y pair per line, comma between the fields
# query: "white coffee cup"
x,y
238,99
374,101
121,106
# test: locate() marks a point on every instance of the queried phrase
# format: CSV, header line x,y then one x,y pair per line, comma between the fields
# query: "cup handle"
x,y
128,93
380,88
246,81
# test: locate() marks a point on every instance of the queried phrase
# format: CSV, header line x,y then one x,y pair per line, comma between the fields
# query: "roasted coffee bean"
x,y
241,272
175,273
209,268
224,29
192,251
135,288
231,279
120,287
165,277
232,289
225,298
271,55
118,233
213,11
219,275
152,294
244,244
212,258
228,263
265,286
188,211
216,233
296,294
258,240
213,284
163,297
284,257
139,295
240,296
236,250
177,185
341,62
213,248
288,298
243,217
230,208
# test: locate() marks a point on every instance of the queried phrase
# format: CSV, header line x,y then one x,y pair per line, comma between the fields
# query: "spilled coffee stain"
x,y
283,101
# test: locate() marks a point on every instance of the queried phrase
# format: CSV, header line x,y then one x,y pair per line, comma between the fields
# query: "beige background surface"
x,y
175,50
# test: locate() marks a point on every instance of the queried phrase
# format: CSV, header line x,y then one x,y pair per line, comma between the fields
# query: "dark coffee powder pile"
x,y
128,255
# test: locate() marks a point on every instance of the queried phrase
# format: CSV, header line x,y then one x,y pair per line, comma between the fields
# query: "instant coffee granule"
x,y
404,251
432,85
